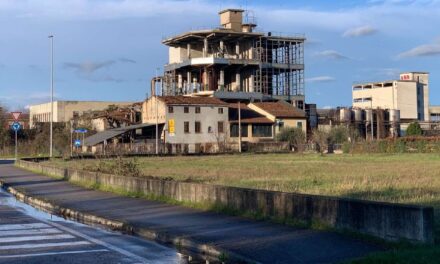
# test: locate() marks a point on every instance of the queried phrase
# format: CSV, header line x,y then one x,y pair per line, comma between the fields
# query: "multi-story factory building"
x,y
235,62
409,94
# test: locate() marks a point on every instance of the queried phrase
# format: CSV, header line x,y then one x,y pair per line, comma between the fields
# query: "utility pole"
x,y
51,96
157,114
71,138
239,127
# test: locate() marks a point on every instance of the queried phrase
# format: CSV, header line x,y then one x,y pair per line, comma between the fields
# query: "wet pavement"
x,y
31,236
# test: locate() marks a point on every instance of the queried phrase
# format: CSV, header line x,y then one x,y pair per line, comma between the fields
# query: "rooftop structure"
x,y
234,59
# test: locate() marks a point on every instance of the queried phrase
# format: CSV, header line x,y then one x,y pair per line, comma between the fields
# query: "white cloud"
x,y
360,31
330,54
425,50
321,79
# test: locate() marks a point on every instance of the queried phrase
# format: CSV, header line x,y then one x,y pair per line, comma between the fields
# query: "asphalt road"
x,y
29,236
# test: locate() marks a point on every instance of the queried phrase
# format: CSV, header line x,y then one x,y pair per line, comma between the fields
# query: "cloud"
x,y
88,67
321,79
330,54
127,60
91,70
360,31
425,50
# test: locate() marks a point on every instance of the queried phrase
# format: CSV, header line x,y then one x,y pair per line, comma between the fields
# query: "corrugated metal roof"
x,y
111,133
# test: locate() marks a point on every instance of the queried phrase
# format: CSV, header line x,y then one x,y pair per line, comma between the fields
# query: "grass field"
x,y
401,178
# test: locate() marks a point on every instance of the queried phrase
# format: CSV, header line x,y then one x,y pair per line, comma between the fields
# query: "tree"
x,y
294,135
414,129
321,139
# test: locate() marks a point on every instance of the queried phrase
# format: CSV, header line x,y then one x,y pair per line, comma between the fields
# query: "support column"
x,y
222,48
221,82
237,49
251,83
179,82
188,82
205,80
188,51
237,82
205,48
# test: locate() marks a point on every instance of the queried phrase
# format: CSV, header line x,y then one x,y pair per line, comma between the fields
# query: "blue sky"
x,y
109,49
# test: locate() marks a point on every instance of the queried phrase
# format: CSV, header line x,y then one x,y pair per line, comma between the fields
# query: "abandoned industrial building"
x,y
234,62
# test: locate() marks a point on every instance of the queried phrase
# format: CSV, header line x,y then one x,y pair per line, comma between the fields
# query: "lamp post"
x,y
51,96
157,114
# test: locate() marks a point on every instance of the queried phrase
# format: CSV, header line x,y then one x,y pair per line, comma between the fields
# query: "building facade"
x,y
188,122
234,61
64,111
409,95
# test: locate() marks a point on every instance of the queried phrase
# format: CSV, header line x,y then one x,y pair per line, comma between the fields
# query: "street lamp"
x,y
51,96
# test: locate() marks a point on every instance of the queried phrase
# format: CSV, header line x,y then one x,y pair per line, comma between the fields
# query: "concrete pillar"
x,y
188,51
237,49
221,82
222,48
194,84
205,47
251,83
188,82
205,80
237,82
179,82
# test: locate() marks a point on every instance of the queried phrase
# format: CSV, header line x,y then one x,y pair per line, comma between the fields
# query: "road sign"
x,y
81,130
16,115
77,143
15,126
171,127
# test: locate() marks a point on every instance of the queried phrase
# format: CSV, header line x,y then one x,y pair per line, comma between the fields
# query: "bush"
x,y
339,135
414,129
295,136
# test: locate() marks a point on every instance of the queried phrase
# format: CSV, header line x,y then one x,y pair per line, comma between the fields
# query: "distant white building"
x,y
410,95
64,111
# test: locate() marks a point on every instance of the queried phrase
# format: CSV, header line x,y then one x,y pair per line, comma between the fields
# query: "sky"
x,y
110,49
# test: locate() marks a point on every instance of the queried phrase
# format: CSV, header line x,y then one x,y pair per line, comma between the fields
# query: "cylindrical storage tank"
x,y
345,115
394,116
368,114
357,115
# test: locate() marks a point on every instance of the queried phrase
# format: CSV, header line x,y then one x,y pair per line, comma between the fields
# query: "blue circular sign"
x,y
15,126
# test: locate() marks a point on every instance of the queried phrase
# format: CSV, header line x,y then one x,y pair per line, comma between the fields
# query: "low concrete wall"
x,y
384,220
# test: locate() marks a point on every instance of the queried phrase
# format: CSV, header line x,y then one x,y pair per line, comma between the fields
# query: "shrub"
x,y
414,129
295,136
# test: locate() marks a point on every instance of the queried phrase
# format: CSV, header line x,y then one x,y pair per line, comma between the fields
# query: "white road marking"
x,y
54,253
34,238
62,244
99,242
23,226
30,232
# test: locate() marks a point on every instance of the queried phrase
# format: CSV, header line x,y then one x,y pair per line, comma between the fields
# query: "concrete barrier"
x,y
384,220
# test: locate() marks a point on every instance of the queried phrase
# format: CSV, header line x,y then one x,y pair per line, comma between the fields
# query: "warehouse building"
x,y
64,111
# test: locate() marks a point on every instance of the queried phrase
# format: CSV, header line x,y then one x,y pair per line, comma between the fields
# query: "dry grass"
x,y
405,178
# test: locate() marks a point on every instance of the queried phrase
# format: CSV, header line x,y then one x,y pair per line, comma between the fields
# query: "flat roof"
x,y
231,9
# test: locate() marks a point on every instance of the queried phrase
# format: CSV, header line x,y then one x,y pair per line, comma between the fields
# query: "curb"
x,y
182,244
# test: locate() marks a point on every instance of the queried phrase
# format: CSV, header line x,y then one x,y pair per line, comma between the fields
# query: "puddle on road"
x,y
8,199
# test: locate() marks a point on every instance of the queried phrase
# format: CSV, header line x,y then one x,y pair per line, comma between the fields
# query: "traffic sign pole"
x,y
16,149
